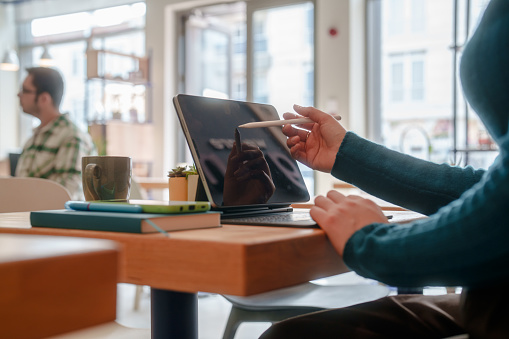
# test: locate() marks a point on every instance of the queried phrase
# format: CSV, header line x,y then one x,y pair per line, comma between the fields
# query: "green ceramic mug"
x,y
106,177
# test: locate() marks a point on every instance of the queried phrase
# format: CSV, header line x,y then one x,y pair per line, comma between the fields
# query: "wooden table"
x,y
236,260
52,285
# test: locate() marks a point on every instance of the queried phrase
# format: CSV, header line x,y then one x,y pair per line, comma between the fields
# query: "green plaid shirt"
x,y
54,152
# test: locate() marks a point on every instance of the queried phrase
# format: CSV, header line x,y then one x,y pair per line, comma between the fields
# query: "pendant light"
x,y
46,60
10,61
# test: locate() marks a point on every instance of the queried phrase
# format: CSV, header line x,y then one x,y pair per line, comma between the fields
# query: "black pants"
x,y
483,313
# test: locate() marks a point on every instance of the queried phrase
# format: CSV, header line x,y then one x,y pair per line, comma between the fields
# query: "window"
x,y
397,86
418,16
406,78
413,64
417,80
66,38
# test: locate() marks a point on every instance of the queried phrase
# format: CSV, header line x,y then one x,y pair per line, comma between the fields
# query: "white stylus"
x,y
281,122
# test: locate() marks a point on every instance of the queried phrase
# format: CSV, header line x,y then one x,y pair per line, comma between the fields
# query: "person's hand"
x,y
341,216
315,144
247,179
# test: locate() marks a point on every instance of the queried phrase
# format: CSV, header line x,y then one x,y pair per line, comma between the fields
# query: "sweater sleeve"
x,y
406,181
463,244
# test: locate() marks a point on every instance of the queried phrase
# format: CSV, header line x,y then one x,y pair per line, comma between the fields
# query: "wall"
x,y
340,67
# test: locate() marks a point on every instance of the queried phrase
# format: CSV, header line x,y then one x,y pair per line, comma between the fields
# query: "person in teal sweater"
x,y
463,242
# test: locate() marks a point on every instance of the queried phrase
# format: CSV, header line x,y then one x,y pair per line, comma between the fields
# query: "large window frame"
x,y
461,149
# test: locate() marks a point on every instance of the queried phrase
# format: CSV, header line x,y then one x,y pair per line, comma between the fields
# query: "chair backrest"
x,y
13,162
31,194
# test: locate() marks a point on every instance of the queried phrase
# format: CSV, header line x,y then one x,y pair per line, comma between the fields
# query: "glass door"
x,y
280,56
207,57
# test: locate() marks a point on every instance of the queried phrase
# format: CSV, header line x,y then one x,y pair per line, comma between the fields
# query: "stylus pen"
x,y
281,122
102,207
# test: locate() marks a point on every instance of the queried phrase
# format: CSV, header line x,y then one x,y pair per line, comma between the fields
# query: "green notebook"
x,y
124,222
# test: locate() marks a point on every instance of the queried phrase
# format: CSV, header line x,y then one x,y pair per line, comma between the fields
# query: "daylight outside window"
x,y
421,109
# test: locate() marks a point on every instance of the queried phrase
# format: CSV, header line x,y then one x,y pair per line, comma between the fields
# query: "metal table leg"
x,y
174,314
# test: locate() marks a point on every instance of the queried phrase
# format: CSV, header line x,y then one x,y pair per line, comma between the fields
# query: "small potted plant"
x,y
183,182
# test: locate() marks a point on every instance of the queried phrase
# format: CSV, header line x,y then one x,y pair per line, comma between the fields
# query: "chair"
x,y
289,302
31,194
13,162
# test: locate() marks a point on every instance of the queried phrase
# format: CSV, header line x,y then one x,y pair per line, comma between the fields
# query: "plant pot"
x,y
192,186
178,188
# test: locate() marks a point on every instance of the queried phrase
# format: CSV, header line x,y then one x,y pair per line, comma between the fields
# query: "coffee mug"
x,y
106,177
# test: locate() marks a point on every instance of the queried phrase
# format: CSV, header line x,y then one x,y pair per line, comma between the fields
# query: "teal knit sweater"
x,y
465,240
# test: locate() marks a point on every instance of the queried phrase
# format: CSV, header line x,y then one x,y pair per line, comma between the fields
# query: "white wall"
x,y
340,67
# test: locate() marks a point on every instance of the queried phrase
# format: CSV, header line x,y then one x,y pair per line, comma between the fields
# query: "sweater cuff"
x,y
357,239
350,146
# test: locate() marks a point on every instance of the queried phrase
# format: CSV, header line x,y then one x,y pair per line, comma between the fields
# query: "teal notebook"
x,y
124,222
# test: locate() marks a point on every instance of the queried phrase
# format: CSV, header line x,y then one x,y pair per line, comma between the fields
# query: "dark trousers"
x,y
482,313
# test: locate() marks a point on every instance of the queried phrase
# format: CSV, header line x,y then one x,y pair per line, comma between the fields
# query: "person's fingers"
x,y
317,213
310,112
303,134
289,115
289,131
298,152
290,142
335,196
323,202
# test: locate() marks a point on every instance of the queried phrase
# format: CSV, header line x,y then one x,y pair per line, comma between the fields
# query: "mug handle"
x,y
92,171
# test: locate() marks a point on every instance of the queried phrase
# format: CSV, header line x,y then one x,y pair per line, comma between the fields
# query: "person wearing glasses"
x,y
55,149
463,241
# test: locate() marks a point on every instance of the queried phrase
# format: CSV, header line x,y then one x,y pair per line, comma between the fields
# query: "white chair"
x,y
31,194
305,298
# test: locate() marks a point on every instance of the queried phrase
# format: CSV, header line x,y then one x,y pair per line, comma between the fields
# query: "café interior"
x,y
387,67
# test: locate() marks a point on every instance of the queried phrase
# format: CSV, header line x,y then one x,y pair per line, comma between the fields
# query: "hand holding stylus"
x,y
271,123
314,144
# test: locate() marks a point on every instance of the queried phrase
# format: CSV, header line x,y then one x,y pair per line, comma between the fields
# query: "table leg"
x,y
174,314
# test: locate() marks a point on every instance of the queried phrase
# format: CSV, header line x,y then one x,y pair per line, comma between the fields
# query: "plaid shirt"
x,y
54,152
